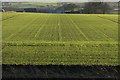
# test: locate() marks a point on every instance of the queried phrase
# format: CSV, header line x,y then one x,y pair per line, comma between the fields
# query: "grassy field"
x,y
65,39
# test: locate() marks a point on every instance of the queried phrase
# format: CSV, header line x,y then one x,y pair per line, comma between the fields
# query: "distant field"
x,y
29,4
40,39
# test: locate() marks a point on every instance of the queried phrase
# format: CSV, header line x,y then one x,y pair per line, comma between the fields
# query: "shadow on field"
x,y
55,71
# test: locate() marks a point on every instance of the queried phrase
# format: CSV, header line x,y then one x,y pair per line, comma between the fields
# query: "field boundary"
x,y
109,19
33,43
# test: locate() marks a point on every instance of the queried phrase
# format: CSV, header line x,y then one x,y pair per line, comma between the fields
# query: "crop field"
x,y
62,39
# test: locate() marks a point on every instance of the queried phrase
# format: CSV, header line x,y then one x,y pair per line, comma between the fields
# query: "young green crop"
x,y
77,39
67,53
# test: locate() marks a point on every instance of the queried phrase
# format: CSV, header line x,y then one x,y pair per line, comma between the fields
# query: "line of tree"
x,y
96,7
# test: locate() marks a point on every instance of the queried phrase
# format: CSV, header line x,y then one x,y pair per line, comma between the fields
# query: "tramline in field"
x,y
34,38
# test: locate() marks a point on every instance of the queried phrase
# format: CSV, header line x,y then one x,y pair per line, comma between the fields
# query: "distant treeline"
x,y
87,8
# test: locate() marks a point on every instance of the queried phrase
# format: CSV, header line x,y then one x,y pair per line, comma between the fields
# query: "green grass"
x,y
66,39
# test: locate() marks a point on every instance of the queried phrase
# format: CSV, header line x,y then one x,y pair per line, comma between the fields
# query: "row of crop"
x,y
113,18
50,30
56,27
14,26
89,54
8,15
110,46
23,28
69,30
96,28
30,30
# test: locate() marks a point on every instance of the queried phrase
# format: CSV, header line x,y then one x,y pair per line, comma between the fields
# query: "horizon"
x,y
60,1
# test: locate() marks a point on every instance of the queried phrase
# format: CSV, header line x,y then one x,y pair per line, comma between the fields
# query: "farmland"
x,y
63,39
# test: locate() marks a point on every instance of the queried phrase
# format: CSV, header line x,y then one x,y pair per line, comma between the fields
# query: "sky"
x,y
59,0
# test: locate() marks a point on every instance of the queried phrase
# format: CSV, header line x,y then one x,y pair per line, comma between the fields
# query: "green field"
x,y
65,39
